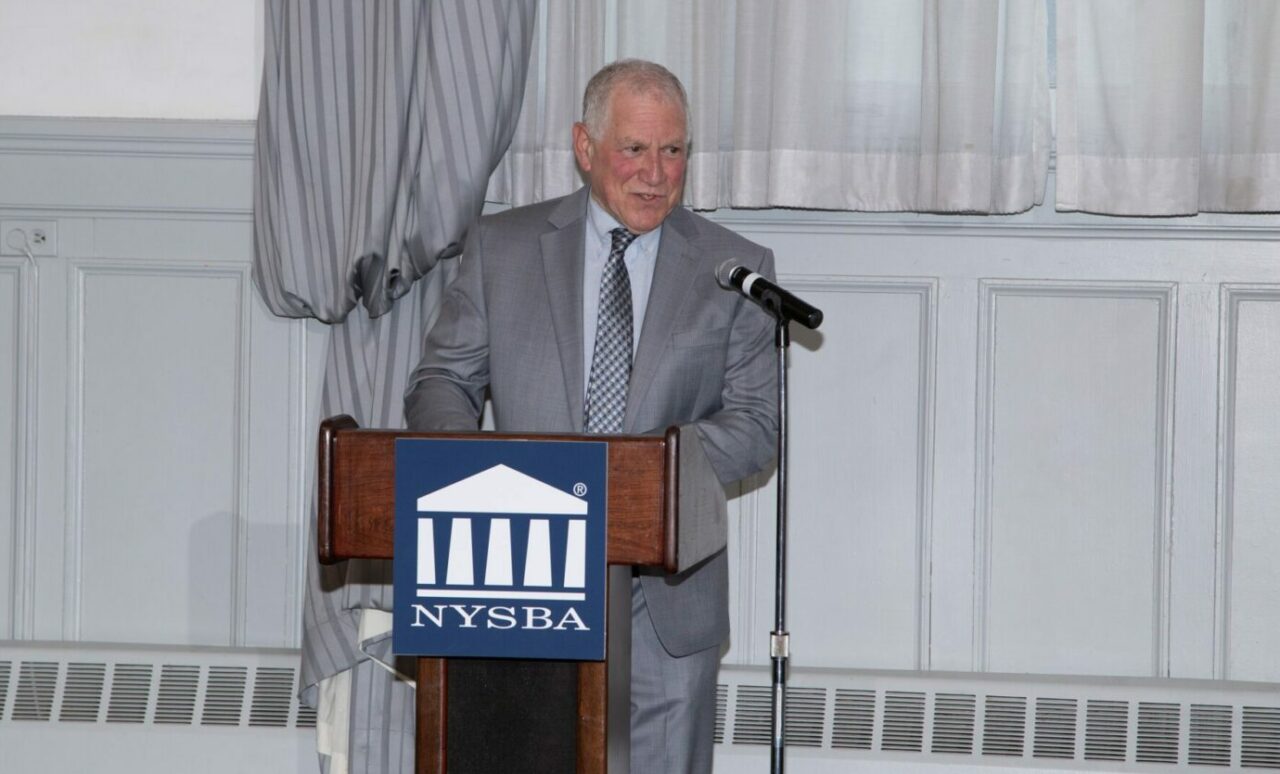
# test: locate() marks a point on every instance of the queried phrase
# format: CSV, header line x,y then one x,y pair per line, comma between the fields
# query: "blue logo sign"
x,y
500,549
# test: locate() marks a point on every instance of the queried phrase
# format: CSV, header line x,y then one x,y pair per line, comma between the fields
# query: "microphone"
x,y
779,302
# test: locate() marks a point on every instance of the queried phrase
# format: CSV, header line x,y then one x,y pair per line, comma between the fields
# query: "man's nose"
x,y
651,170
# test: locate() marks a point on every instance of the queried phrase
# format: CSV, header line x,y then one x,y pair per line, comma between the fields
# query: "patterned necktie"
x,y
611,358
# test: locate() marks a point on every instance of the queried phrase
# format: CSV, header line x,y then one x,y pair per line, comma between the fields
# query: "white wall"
x,y
193,59
1035,444
1042,444
156,436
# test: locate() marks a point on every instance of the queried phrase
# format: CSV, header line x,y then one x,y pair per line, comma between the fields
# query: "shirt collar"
x,y
600,223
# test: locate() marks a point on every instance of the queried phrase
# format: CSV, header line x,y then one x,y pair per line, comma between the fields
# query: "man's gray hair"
x,y
638,75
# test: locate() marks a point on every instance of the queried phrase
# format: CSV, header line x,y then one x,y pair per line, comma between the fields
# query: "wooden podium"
x,y
356,516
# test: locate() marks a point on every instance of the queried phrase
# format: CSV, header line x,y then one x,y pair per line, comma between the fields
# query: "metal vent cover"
x,y
903,721
953,722
1260,744
853,724
82,694
34,690
1005,725
1055,728
160,686
1105,723
1158,725
1210,736
130,693
1106,730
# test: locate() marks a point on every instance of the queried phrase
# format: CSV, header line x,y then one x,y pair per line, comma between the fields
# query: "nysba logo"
x,y
507,560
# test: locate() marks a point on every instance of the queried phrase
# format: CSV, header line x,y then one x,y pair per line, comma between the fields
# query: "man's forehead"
x,y
645,98
632,138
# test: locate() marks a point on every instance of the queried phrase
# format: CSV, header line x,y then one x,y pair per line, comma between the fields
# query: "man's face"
x,y
636,168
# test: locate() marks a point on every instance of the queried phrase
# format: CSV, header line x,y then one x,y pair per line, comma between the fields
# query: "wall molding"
x,y
1165,294
21,135
1232,295
82,270
60,167
927,290
25,273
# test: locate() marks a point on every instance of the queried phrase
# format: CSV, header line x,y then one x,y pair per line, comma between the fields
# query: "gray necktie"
x,y
611,358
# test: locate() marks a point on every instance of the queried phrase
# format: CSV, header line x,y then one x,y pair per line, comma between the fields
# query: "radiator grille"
x,y
306,717
1210,743
37,683
1055,732
1083,724
1004,725
150,686
753,722
1158,724
272,697
1077,723
82,696
130,693
953,723
903,721
854,723
1106,730
722,709
5,668
1260,747
225,696
806,711
176,703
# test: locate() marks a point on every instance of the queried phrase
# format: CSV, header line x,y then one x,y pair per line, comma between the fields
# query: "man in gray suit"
x,y
524,324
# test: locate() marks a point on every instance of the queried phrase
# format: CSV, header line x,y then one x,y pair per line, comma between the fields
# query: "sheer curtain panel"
x,y
939,105
1168,107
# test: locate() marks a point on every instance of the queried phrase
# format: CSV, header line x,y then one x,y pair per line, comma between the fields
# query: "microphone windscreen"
x,y
724,273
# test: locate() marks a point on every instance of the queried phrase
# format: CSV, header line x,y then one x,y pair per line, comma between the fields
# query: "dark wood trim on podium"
x,y
356,519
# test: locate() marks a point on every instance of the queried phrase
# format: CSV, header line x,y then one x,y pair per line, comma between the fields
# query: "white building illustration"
x,y
498,494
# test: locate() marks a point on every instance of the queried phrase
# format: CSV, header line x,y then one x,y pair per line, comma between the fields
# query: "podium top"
x,y
356,491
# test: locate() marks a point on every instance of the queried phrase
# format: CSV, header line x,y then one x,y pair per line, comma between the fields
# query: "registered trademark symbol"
x,y
580,489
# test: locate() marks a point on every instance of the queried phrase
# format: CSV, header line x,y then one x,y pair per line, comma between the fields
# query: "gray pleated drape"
x,y
379,125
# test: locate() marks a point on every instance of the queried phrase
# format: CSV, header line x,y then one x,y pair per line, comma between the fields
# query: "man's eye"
x,y
674,150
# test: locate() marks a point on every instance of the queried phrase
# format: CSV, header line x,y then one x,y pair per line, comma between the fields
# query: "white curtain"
x,y
1168,107
940,105
568,48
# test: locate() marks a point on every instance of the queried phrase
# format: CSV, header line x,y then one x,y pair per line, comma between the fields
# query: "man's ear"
x,y
582,146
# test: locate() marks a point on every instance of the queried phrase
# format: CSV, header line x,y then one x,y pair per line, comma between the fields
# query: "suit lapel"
x,y
673,280
562,266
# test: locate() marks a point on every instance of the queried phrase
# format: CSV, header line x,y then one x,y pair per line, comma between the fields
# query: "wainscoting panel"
x,y
1072,466
170,449
1251,482
1073,523
860,490
160,356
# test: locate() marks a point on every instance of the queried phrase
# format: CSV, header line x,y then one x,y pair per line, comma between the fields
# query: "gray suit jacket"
x,y
511,324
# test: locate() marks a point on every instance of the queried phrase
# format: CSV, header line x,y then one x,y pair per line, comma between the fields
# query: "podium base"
x,y
506,716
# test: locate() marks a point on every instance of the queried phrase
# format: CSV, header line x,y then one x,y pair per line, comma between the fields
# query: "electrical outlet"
x,y
38,236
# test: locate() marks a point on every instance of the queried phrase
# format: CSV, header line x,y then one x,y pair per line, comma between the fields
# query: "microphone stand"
x,y
784,308
779,638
